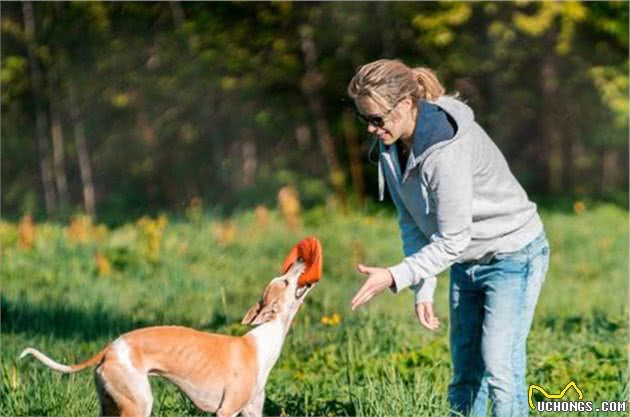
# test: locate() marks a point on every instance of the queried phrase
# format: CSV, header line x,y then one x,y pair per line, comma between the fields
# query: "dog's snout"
x,y
301,291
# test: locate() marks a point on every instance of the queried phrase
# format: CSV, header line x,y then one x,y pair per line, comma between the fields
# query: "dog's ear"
x,y
252,313
267,313
257,315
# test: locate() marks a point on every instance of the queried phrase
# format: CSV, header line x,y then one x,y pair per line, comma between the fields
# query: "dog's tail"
x,y
67,369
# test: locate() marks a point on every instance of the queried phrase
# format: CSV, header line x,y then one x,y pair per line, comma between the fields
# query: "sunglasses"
x,y
376,120
371,119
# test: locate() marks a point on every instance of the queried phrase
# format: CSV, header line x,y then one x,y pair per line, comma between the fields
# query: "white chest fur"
x,y
269,338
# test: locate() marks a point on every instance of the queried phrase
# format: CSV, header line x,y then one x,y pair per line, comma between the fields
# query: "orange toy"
x,y
310,251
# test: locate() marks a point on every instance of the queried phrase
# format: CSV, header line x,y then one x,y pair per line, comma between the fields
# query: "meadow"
x,y
69,289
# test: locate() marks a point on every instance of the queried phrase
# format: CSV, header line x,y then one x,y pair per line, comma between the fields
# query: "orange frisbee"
x,y
310,251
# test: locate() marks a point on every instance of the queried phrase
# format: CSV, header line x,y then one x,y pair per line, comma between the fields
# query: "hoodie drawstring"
x,y
425,197
381,180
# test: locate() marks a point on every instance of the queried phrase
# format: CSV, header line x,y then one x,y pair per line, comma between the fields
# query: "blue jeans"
x,y
491,310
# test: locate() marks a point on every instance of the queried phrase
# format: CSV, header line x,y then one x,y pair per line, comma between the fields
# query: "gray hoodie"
x,y
457,199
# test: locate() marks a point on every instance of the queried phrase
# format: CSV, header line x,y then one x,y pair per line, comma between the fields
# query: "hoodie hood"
x,y
431,133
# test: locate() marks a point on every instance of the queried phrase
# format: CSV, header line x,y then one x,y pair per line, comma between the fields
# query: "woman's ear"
x,y
408,103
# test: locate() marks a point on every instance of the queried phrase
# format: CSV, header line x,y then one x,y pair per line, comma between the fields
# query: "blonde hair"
x,y
387,81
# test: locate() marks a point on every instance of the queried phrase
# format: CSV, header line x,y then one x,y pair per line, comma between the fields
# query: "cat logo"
x,y
552,396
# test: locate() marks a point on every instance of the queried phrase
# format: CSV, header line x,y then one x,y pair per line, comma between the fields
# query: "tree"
x,y
37,83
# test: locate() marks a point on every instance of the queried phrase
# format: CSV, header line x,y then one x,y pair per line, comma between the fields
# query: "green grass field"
x,y
205,273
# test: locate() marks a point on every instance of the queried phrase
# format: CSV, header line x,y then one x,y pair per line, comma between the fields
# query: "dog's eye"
x,y
286,282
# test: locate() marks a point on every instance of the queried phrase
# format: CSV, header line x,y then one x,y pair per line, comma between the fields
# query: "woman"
x,y
459,206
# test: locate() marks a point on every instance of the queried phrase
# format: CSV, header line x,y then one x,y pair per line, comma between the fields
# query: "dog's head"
x,y
281,298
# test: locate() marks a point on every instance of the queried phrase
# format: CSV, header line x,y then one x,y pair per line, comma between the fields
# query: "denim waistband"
x,y
531,247
534,245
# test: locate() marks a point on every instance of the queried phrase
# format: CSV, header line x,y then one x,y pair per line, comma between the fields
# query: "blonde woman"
x,y
459,206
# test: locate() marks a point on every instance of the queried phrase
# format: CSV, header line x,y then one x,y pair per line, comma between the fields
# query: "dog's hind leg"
x,y
108,405
234,400
255,407
122,391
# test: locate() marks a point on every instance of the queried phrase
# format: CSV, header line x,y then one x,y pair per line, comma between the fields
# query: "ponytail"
x,y
430,87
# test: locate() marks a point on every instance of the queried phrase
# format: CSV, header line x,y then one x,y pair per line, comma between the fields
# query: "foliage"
x,y
207,100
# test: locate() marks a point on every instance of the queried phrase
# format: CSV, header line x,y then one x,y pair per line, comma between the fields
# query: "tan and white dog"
x,y
221,374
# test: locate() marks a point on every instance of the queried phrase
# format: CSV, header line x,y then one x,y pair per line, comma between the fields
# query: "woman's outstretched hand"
x,y
379,279
424,313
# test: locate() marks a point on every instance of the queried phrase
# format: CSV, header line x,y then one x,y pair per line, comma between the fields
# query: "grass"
x,y
205,272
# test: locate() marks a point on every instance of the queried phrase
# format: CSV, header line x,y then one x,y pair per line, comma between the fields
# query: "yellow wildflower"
x,y
225,232
102,264
332,320
26,232
262,216
80,229
151,232
579,207
289,202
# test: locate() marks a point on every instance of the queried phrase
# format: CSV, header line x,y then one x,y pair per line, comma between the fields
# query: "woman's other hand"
x,y
379,279
424,313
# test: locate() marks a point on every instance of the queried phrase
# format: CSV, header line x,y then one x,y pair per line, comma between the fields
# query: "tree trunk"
x,y
311,84
610,170
572,143
85,167
549,120
178,13
56,131
387,29
45,168
143,121
249,157
354,154
179,19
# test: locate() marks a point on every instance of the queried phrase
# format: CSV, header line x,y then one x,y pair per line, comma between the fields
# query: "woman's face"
x,y
387,124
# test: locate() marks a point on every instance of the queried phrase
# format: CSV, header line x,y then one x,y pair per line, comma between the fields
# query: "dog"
x,y
225,375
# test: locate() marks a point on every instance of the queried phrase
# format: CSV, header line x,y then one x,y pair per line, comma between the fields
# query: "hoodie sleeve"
x,y
413,240
449,176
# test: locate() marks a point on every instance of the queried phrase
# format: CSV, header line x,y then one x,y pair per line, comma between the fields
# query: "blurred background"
x,y
122,109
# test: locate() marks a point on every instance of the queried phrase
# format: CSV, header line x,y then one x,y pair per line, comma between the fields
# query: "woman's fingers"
x,y
421,316
378,280
366,270
424,313
430,318
428,312
364,294
434,322
361,299
358,296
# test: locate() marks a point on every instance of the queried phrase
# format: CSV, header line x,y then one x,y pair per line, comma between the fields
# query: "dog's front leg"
x,y
255,406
